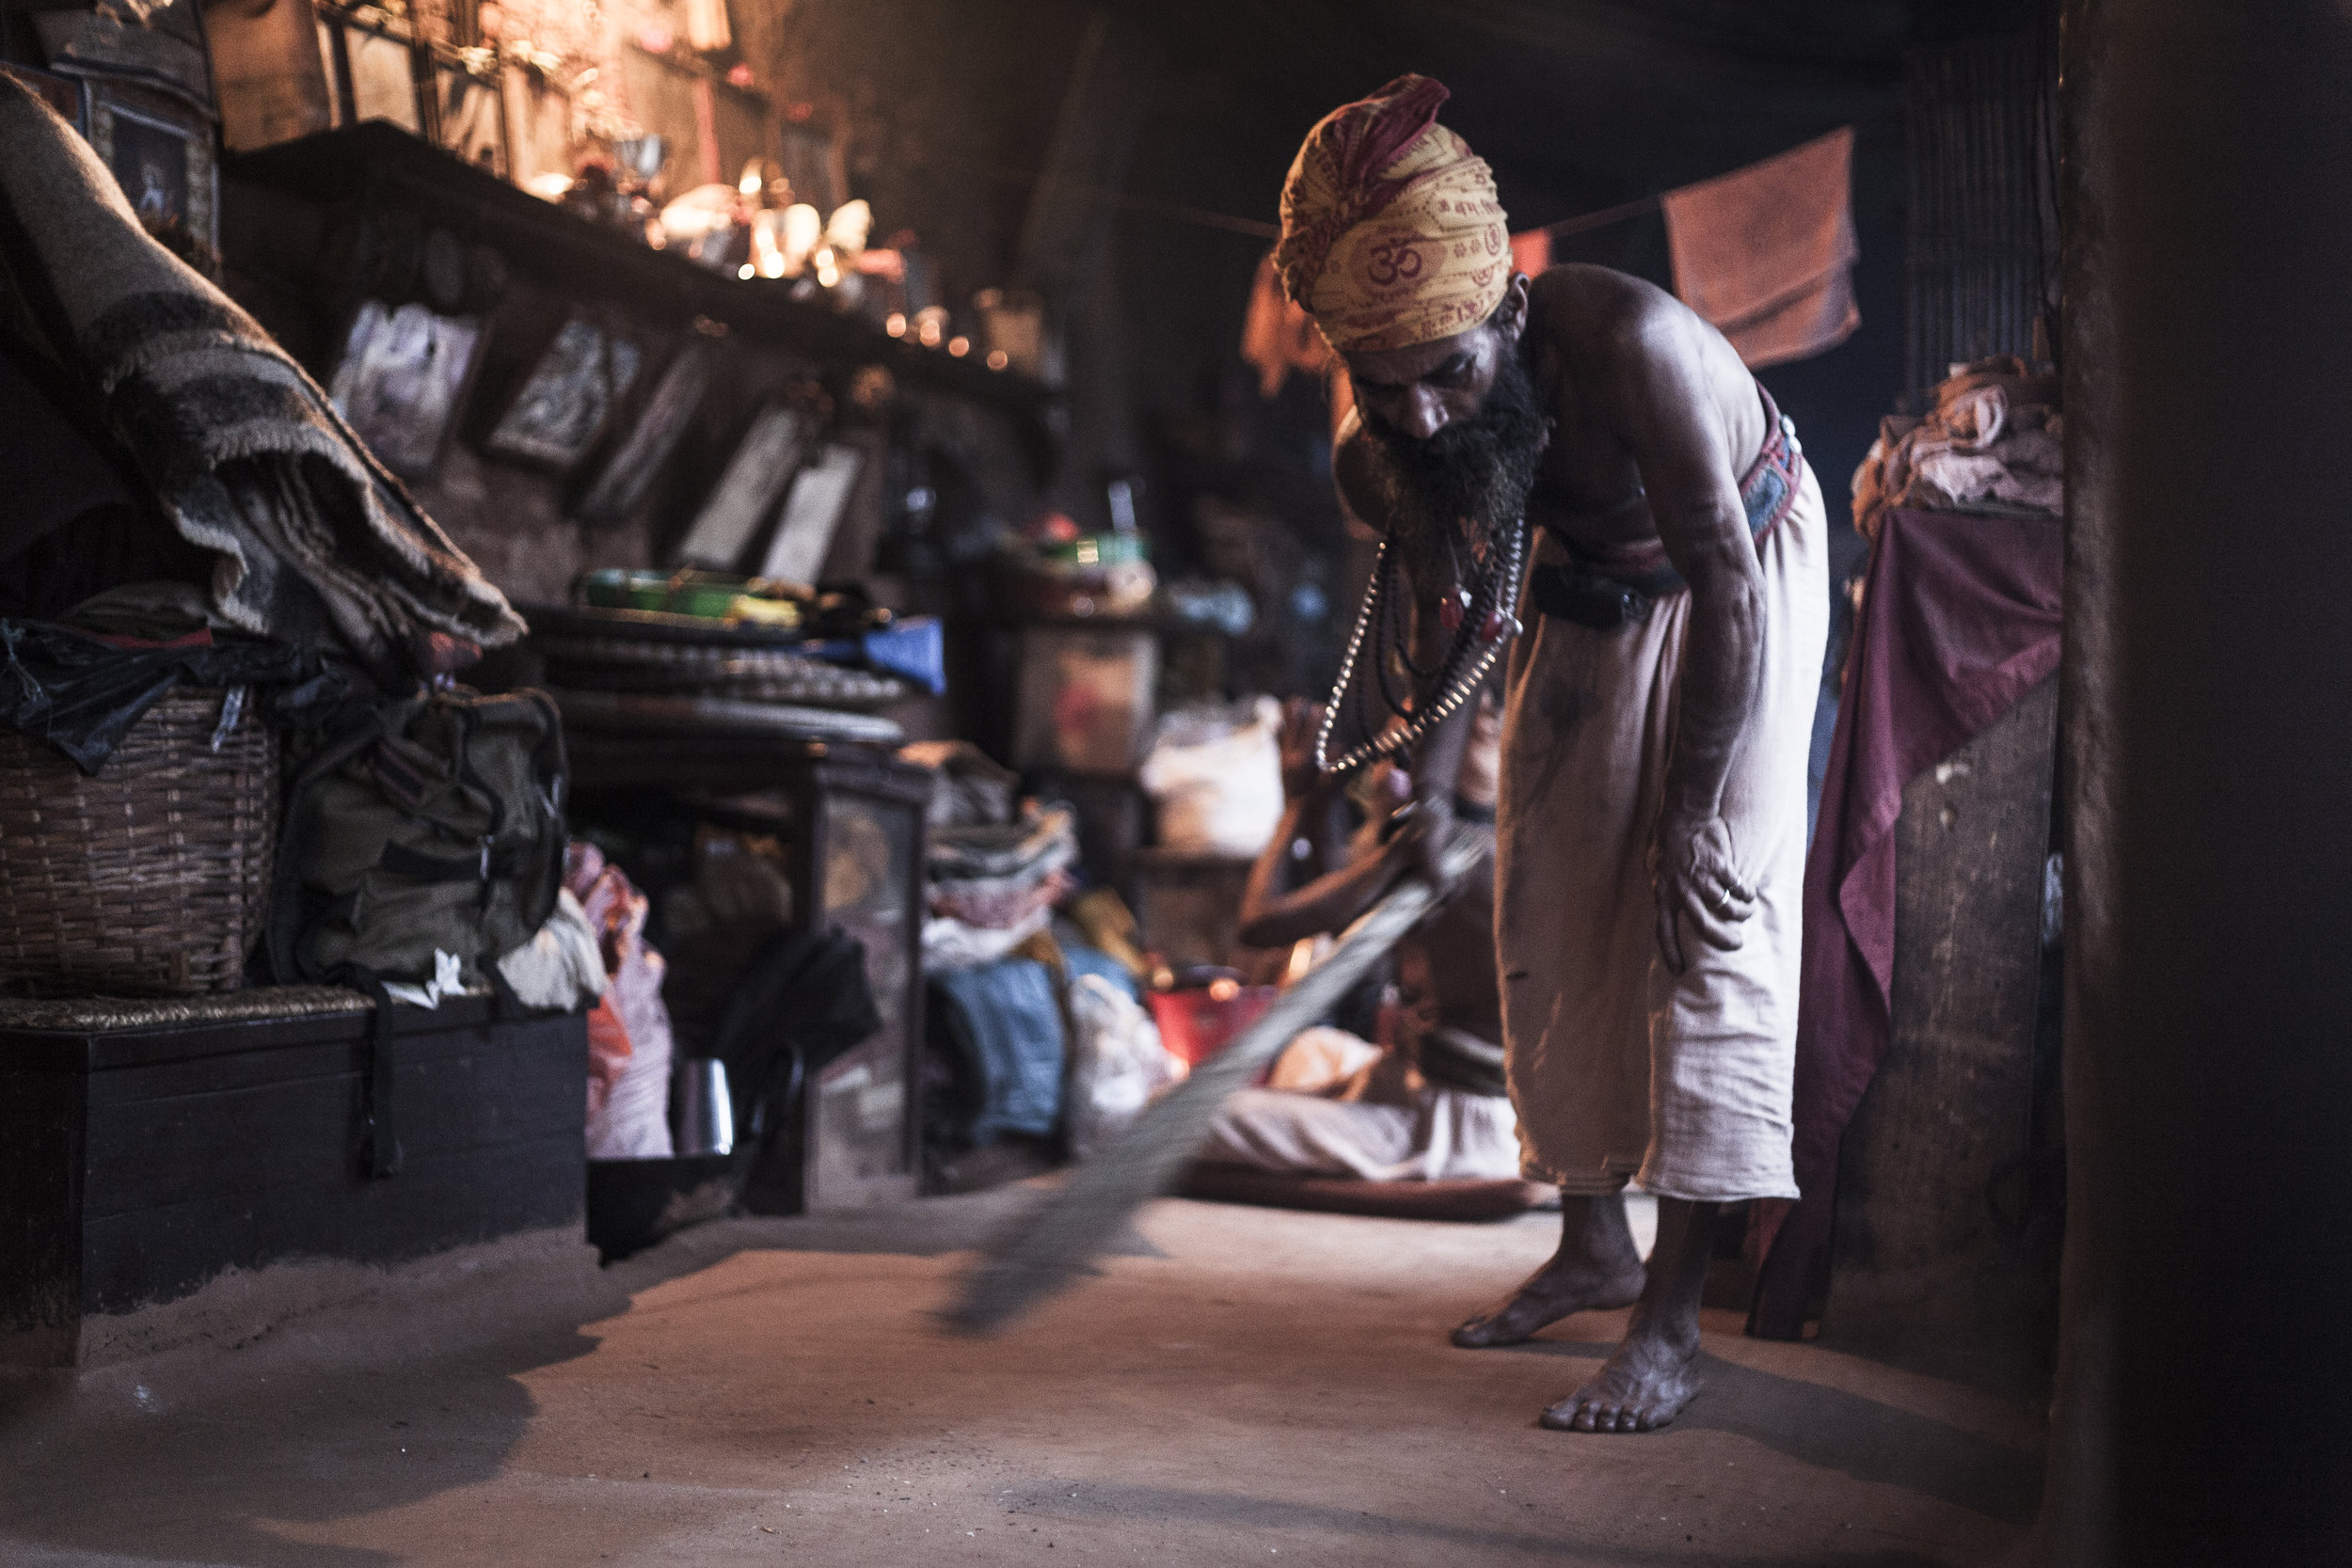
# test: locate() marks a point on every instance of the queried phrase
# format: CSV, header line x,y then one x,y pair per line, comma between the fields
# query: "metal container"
x,y
701,1110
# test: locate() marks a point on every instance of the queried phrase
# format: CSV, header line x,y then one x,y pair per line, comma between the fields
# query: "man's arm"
x,y
1273,913
1668,418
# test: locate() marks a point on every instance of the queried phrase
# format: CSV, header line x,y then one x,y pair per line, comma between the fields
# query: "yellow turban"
x,y
1391,232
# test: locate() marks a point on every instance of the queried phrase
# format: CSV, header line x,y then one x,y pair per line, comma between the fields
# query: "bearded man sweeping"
x,y
1651,824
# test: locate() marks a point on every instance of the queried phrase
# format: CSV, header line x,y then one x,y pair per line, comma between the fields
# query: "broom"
x,y
1057,1238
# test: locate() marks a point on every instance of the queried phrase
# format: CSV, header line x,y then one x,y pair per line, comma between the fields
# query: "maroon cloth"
x,y
1959,621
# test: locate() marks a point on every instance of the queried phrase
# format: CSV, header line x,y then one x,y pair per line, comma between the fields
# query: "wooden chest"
x,y
147,1148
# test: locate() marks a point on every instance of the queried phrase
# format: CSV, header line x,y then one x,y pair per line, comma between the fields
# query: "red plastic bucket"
x,y
1197,1025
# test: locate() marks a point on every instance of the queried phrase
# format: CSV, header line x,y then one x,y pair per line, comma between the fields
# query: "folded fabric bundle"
x,y
998,903
1046,840
998,1030
1995,442
995,885
310,538
969,789
949,943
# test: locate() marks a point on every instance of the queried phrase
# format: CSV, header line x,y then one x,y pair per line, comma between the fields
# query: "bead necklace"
x,y
1482,624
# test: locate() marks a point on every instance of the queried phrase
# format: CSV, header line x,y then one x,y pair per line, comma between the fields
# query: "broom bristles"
x,y
1051,1244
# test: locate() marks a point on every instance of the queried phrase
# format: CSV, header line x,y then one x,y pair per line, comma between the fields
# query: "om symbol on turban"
x,y
1393,262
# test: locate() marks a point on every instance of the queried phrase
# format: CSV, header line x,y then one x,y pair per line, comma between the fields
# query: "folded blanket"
x,y
310,535
1047,840
1995,441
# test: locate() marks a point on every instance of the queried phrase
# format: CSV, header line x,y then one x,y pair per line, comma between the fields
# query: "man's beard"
x,y
1473,475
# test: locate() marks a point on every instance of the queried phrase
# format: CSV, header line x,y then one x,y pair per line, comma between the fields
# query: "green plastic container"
x,y
707,596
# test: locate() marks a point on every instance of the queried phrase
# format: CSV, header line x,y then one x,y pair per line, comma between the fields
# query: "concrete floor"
x,y
1243,1386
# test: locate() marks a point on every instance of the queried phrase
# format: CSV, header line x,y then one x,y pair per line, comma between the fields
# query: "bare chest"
x,y
1589,487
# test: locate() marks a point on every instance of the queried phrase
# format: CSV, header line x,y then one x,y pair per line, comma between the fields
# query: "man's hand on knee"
x,y
1692,868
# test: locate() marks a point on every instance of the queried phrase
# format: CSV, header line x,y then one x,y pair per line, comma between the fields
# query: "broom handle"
x,y
1046,1247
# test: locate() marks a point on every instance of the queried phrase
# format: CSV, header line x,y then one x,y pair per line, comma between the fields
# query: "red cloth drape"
x,y
1960,618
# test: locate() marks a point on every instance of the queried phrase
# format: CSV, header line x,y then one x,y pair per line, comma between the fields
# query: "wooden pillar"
x,y
1940,1260
2205,1352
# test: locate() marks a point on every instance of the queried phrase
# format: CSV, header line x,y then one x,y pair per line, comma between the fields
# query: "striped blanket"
x,y
313,540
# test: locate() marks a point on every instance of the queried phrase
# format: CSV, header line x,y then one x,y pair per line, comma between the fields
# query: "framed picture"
x,y
402,378
469,118
373,74
164,163
812,513
620,485
568,397
762,466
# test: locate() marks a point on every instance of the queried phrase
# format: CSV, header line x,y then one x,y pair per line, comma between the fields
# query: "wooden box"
x,y
147,1148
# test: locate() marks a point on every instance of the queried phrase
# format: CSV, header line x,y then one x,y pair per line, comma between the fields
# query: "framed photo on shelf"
x,y
812,515
371,68
762,466
469,115
163,161
621,483
568,397
402,378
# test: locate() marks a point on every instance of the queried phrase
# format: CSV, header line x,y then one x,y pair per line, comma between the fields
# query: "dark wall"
x,y
950,107
1564,138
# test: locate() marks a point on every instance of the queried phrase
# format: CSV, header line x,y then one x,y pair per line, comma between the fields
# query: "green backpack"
x,y
435,826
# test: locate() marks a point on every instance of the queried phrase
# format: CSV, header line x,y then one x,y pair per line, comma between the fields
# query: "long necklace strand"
x,y
1467,663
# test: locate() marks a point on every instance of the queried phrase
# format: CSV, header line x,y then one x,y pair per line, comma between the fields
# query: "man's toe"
x,y
1479,1334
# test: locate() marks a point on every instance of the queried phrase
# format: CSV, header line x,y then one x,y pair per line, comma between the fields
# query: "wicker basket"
x,y
154,875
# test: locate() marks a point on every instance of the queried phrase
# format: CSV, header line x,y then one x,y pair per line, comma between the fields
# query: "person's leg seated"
x,y
1596,1268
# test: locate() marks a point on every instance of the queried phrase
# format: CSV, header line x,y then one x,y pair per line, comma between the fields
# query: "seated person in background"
x,y
1433,1108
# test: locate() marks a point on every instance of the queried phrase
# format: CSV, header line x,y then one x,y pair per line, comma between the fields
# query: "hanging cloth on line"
x,y
1766,253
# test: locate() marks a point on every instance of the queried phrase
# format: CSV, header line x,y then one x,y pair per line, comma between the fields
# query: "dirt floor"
x,y
1240,1385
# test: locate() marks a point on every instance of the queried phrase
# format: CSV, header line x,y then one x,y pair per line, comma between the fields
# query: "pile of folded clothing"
x,y
994,885
998,864
1995,442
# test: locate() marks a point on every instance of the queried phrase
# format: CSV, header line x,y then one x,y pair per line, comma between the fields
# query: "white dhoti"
x,y
1378,1122
1619,1067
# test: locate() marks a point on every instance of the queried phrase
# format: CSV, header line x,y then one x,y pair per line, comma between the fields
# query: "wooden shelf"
x,y
590,259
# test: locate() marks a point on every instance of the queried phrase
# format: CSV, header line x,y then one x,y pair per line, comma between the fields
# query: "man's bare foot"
x,y
1596,1268
1561,1288
1646,1381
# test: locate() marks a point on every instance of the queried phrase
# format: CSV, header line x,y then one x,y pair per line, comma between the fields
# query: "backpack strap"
x,y
490,863
289,914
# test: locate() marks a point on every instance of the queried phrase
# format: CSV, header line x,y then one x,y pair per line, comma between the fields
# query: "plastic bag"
x,y
1217,776
82,694
1116,1063
630,1118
